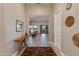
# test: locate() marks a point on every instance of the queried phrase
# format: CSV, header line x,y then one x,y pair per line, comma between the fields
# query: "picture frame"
x,y
19,26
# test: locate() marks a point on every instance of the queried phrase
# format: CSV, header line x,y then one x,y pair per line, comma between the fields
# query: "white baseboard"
x,y
21,51
15,53
57,51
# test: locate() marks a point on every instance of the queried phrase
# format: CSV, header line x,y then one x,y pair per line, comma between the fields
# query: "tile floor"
x,y
38,46
38,41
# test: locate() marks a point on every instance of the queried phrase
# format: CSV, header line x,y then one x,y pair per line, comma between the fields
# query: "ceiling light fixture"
x,y
37,3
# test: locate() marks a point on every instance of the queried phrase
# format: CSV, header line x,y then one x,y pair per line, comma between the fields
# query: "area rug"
x,y
38,51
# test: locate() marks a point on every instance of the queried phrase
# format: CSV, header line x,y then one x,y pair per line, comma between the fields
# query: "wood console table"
x,y
22,40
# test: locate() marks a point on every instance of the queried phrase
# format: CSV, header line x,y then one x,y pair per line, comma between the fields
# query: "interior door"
x,y
57,28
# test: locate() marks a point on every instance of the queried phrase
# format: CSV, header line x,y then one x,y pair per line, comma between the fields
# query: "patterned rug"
x,y
38,51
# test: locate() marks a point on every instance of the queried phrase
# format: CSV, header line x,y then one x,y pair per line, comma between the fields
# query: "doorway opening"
x,y
57,28
38,30
38,24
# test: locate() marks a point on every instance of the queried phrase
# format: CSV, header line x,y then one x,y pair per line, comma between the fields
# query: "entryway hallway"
x,y
51,28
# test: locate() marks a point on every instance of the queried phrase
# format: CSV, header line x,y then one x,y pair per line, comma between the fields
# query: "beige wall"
x,y
2,41
9,15
68,48
13,12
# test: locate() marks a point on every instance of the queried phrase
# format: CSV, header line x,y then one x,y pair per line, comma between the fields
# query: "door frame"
x,y
57,44
40,15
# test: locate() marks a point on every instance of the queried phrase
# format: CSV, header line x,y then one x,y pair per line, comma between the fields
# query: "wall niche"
x,y
69,21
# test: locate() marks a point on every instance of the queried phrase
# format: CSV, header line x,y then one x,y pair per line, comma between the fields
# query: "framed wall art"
x,y
19,26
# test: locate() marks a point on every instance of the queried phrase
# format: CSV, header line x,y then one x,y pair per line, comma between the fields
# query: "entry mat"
x,y
38,51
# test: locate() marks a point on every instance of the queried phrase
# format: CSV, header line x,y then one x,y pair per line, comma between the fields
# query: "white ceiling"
x,y
39,18
38,4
